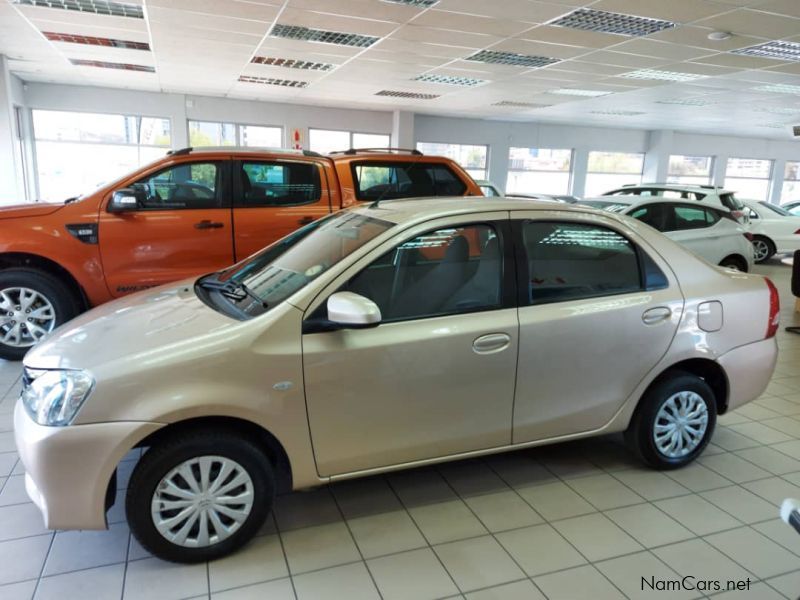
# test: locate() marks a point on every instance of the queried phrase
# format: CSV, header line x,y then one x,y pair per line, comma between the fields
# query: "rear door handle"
x,y
656,315
206,224
491,342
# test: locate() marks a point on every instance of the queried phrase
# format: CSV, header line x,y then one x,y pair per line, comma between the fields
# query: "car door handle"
x,y
656,315
306,220
206,224
491,342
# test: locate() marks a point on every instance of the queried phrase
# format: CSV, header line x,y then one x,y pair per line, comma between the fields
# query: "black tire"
x,y
734,262
770,246
640,432
64,302
160,459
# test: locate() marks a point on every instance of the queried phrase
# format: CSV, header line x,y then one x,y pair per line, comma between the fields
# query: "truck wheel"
x,y
199,496
32,304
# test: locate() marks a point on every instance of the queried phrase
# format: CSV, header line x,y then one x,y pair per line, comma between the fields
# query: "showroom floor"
x,y
581,520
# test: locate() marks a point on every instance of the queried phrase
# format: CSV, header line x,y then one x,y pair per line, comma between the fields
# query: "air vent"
x,y
411,95
579,92
510,58
779,88
296,32
513,104
420,3
776,49
97,7
686,102
618,113
289,63
609,22
449,80
273,81
111,65
95,41
661,75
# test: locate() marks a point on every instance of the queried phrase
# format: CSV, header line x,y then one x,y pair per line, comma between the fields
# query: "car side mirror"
x,y
353,311
124,200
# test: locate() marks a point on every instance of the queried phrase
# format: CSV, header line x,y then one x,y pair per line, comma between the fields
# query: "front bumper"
x,y
68,469
749,370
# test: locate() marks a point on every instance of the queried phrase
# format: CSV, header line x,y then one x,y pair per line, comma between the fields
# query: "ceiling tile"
x,y
739,61
534,48
574,37
375,9
680,11
608,57
416,33
648,47
522,10
781,7
698,36
470,23
316,20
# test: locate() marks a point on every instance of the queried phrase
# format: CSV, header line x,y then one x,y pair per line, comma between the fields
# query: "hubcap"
x,y
26,316
760,249
680,424
202,501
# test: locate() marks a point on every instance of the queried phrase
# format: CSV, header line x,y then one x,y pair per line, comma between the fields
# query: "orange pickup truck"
x,y
194,211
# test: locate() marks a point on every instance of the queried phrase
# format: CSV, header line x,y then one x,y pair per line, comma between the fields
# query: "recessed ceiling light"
x,y
514,104
686,102
617,113
449,80
579,92
422,3
493,57
296,32
719,36
588,19
655,74
95,41
98,7
273,81
290,63
777,50
111,65
411,95
779,88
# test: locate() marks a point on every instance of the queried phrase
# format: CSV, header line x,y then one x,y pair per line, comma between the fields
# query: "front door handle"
x,y
306,220
206,224
656,315
491,342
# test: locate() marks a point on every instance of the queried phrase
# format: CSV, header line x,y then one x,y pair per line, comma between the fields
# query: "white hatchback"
x,y
775,230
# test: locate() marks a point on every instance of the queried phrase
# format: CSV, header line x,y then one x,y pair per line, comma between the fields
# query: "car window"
x,y
279,183
183,186
731,202
405,180
570,261
691,217
753,214
446,271
653,215
776,209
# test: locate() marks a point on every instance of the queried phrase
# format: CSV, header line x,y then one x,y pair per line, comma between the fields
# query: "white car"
x,y
708,231
703,193
793,207
775,230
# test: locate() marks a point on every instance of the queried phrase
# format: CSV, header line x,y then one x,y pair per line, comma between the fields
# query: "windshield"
x,y
778,209
278,271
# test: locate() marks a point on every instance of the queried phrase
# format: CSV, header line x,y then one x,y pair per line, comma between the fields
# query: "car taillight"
x,y
749,236
774,309
797,232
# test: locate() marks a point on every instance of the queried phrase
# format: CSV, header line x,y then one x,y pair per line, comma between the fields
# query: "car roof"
x,y
704,189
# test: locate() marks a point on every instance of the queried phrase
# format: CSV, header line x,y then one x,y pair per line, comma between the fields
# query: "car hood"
x,y
137,329
18,211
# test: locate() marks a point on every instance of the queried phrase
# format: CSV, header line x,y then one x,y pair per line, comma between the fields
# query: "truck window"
x,y
405,180
279,183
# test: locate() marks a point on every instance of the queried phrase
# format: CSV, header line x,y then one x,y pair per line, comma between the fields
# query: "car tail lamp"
x,y
774,309
797,232
749,236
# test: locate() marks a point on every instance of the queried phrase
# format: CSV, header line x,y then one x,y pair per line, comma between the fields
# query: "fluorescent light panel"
x,y
97,7
654,74
685,102
411,95
290,63
79,62
338,38
420,3
511,58
779,88
449,80
579,92
514,104
95,41
778,110
273,81
601,21
618,113
776,49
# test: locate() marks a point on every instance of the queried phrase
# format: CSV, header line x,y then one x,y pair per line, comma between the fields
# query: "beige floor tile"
x,y
519,590
23,559
770,459
596,537
446,521
348,582
755,552
773,490
262,559
754,412
784,424
7,441
697,514
9,459
306,509
788,584
520,468
555,501
540,549
698,478
755,591
417,574
319,547
280,589
639,575
365,497
13,491
100,583
75,550
604,492
780,406
503,510
153,578
478,563
566,464
386,533
760,433
648,525
18,591
780,532
744,505
728,439
20,520
580,582
419,487
700,559
734,468
737,416
472,478
650,484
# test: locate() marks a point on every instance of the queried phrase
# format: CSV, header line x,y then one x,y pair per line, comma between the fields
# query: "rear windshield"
x,y
731,202
384,181
776,209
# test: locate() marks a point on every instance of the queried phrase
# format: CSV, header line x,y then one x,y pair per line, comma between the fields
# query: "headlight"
x,y
53,397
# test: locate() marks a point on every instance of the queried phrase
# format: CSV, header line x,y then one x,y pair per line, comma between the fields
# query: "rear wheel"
x,y
763,248
734,262
32,304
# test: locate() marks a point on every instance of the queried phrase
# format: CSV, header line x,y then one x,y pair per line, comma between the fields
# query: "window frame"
x,y
390,163
464,167
676,176
238,193
769,179
350,133
569,172
222,190
237,129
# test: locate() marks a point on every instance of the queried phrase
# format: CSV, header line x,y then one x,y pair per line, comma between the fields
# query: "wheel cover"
x,y
760,249
26,316
202,501
681,424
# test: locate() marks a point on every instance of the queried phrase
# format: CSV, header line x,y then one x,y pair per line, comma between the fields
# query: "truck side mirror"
x,y
124,200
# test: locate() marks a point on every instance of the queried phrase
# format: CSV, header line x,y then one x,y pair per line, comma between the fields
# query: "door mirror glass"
x,y
124,200
353,310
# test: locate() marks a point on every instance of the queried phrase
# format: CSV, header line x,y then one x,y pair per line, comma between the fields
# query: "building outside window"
x,y
690,170
748,177
473,158
610,170
791,181
326,141
212,133
539,170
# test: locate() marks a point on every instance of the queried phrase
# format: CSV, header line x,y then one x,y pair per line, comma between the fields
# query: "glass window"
x,y
279,184
690,170
258,135
609,170
76,152
183,186
748,177
371,140
405,180
326,141
538,170
791,182
570,261
654,215
471,158
447,271
692,217
207,133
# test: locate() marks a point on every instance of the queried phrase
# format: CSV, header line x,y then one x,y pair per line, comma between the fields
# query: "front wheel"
x,y
673,422
200,496
763,248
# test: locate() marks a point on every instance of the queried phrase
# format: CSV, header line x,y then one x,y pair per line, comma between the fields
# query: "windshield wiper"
x,y
68,200
232,289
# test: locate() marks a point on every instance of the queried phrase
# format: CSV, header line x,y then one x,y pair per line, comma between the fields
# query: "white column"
x,y
12,185
656,158
403,130
580,163
720,164
776,183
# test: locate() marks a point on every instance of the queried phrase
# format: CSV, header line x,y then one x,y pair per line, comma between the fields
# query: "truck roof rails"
x,y
255,149
352,151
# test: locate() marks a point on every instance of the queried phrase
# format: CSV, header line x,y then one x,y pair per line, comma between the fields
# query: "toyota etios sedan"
x,y
389,336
